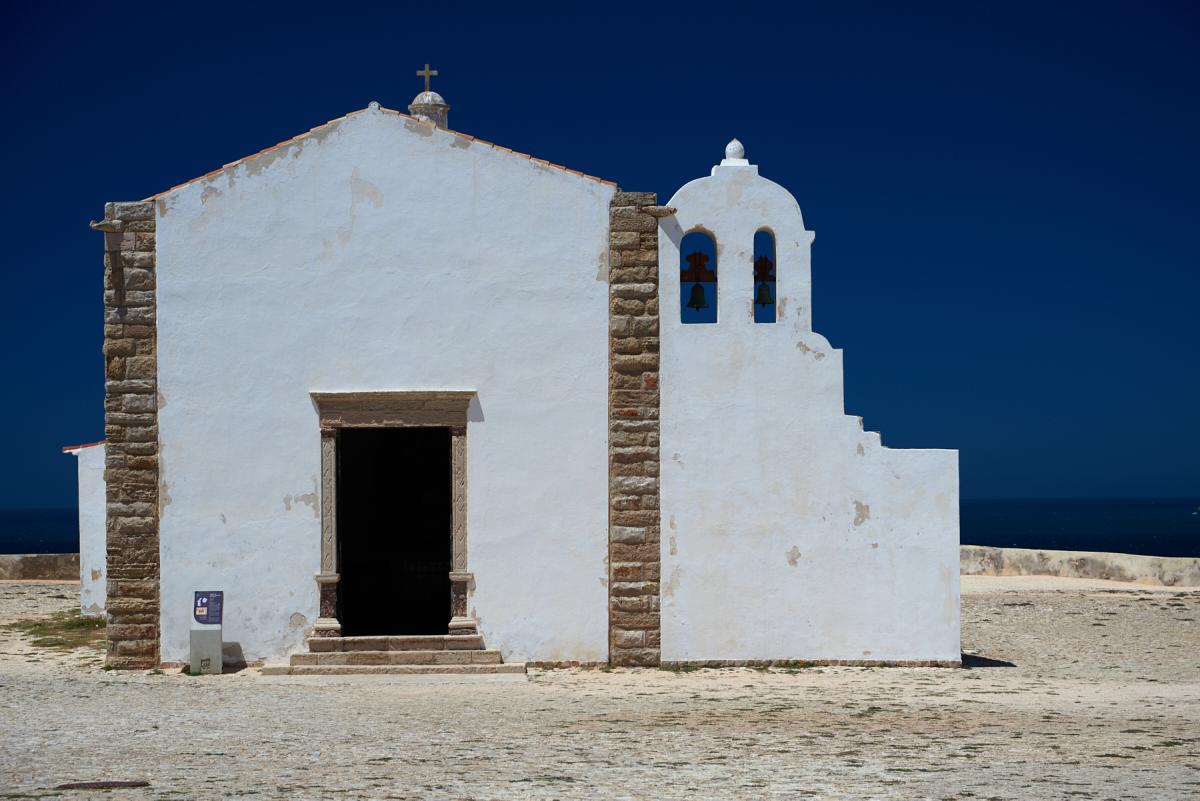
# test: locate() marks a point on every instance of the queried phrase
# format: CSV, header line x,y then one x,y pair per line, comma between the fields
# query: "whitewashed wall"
x,y
788,531
93,575
379,254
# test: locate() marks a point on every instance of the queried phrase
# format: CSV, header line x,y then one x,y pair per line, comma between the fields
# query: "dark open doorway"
x,y
394,498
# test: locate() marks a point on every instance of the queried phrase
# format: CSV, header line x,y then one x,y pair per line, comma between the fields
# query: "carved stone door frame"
x,y
443,409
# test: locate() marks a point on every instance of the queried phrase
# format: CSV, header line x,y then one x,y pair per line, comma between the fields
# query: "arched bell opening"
x,y
697,278
765,271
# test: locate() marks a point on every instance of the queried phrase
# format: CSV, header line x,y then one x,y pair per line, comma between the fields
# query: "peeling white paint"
x,y
775,466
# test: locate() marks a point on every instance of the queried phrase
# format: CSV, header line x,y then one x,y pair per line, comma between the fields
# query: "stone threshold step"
x,y
398,658
381,670
422,642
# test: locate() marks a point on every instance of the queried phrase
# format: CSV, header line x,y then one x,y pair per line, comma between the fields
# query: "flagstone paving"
x,y
1102,702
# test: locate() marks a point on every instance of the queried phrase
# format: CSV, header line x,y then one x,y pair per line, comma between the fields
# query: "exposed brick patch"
x,y
797,663
566,664
633,432
131,428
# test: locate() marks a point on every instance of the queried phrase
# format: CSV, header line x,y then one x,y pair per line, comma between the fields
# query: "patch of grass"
x,y
62,630
694,666
49,642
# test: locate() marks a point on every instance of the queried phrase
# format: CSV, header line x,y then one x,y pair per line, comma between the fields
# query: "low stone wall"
x,y
974,560
978,560
39,566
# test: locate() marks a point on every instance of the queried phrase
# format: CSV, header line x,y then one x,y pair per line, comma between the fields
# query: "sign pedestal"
x,y
205,637
206,642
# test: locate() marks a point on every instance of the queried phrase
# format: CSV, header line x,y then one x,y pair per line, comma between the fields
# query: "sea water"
x,y
1155,527
39,531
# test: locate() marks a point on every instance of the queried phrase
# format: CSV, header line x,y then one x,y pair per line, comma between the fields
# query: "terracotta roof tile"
x,y
312,130
69,448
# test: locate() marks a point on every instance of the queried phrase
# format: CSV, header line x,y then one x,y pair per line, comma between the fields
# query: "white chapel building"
x,y
417,402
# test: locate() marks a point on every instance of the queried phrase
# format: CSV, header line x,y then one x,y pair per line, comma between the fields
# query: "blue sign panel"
x,y
208,607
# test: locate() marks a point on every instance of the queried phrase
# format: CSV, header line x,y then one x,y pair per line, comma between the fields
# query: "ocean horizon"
x,y
1148,526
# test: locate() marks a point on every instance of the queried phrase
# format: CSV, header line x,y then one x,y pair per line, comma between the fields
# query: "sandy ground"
x,y
1101,701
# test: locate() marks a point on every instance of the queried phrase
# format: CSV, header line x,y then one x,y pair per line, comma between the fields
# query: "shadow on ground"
x,y
977,661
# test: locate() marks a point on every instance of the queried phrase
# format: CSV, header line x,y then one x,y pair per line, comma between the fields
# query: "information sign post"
x,y
206,640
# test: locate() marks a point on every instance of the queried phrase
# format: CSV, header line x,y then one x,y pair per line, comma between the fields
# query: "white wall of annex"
x,y
788,531
379,254
93,547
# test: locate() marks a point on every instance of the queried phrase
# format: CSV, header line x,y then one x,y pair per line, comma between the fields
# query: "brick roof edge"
x,y
69,448
310,131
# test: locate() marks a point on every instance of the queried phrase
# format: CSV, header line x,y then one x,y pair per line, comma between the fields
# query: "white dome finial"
x,y
735,155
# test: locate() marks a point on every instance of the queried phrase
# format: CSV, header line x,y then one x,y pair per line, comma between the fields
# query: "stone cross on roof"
x,y
427,74
429,105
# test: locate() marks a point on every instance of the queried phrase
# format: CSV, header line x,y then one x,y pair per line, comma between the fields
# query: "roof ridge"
x,y
385,110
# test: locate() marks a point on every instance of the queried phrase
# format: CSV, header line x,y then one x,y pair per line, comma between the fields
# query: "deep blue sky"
x,y
1005,195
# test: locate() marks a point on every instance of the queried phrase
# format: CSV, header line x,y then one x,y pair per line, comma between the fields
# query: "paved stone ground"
x,y
1103,703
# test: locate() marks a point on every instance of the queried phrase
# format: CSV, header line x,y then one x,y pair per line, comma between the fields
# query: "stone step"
x,y
378,670
398,658
423,642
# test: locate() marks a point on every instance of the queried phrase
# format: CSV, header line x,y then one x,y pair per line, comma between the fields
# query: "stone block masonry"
x,y
633,432
131,428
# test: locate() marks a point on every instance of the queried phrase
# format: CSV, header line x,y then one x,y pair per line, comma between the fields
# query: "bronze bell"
x,y
763,296
697,301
